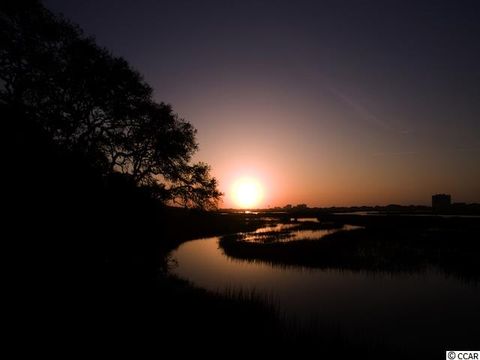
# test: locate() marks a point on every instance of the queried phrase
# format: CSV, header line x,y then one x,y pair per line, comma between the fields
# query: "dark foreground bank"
x,y
72,304
88,272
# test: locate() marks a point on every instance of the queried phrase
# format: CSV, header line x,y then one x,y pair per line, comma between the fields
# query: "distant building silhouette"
x,y
441,201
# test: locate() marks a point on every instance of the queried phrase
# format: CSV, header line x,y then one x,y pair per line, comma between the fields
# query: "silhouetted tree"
x,y
94,103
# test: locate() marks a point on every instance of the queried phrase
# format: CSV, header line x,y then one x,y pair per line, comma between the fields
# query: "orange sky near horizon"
x,y
322,160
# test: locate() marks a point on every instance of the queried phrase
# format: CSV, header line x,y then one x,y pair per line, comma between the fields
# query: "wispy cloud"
x,y
395,153
365,113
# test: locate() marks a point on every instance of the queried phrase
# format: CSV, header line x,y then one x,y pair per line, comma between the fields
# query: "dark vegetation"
x,y
386,243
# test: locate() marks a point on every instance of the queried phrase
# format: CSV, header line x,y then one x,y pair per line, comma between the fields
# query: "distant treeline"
x,y
301,210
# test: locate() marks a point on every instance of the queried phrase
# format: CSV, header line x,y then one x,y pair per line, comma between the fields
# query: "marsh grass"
x,y
455,250
247,322
290,231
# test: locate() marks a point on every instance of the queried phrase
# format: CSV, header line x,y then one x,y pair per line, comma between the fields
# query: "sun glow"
x,y
247,193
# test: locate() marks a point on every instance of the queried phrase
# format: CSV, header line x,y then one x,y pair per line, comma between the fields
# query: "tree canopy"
x,y
92,102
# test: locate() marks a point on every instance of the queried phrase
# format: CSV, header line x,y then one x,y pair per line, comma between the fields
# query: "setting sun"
x,y
247,193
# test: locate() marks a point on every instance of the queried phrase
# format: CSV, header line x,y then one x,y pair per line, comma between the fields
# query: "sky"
x,y
327,103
